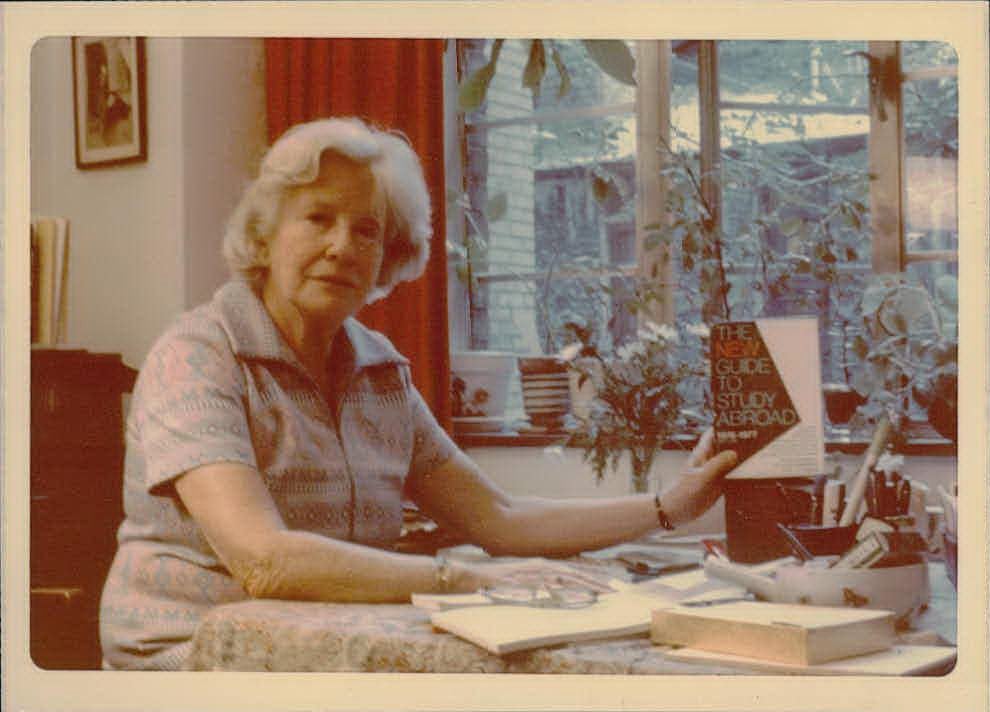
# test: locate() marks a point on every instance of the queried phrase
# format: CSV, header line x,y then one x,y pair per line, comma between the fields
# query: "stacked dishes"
x,y
546,391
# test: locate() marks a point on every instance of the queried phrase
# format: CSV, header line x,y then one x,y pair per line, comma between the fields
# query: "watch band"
x,y
662,515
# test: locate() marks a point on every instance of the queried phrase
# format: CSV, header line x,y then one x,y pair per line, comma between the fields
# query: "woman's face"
x,y
326,250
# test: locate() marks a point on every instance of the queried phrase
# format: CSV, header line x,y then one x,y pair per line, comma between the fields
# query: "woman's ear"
x,y
261,251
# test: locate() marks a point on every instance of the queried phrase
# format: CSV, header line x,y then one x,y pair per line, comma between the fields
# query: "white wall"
x,y
145,236
540,472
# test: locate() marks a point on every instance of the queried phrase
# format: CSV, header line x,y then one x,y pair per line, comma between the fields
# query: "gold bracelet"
x,y
443,575
662,515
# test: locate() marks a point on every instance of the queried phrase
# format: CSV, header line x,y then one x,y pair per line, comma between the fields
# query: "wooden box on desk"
x,y
77,454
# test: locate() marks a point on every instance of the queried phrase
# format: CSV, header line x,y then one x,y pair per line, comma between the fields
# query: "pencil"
x,y
859,483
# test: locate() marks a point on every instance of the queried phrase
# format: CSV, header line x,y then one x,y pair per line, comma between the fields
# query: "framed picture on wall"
x,y
108,79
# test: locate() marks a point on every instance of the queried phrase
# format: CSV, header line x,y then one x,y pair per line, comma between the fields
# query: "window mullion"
x,y
653,67
886,157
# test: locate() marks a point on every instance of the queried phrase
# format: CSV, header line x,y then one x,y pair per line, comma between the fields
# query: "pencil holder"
x,y
825,541
754,507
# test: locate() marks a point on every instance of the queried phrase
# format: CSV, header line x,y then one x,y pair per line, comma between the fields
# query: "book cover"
x,y
780,632
767,396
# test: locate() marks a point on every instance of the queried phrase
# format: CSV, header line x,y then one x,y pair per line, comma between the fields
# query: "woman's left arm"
x,y
459,495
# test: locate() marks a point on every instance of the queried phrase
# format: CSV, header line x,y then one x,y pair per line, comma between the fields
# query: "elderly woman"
x,y
272,438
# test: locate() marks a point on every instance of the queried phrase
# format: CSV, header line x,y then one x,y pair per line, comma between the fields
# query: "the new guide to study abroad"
x,y
767,396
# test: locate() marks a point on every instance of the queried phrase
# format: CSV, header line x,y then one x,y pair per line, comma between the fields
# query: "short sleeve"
x,y
188,407
431,445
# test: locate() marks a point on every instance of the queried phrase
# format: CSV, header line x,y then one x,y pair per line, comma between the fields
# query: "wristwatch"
x,y
443,576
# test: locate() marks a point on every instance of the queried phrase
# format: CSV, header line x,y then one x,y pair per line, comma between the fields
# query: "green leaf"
x,y
689,244
497,206
947,291
603,187
860,347
536,67
473,91
565,76
873,297
614,58
792,226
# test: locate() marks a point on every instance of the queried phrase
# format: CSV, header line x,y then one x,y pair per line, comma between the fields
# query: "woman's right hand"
x,y
531,572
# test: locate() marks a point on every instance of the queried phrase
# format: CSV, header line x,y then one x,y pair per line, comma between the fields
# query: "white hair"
x,y
294,161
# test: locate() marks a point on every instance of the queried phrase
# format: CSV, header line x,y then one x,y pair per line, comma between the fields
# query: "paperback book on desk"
x,y
767,396
780,632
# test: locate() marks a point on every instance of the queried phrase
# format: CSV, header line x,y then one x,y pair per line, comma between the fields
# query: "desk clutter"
x,y
783,615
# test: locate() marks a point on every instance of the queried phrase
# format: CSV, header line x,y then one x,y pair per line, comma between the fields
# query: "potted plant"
x,y
640,396
480,388
909,355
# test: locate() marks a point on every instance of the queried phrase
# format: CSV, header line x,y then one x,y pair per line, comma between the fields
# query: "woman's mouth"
x,y
334,280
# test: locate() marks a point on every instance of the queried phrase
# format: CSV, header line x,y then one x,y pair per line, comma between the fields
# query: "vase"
x,y
641,463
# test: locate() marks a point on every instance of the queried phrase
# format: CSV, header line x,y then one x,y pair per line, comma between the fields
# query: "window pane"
x,y
931,130
546,198
922,55
795,236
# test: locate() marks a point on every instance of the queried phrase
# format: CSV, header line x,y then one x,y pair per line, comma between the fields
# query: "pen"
x,y
835,491
796,546
715,548
859,482
904,497
880,487
818,500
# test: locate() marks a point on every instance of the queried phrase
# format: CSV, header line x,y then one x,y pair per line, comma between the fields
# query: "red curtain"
x,y
396,84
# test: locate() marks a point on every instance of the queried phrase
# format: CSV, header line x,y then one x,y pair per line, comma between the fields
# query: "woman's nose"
x,y
338,239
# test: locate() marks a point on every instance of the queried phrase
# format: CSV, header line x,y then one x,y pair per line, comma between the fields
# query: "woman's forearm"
x,y
305,566
542,527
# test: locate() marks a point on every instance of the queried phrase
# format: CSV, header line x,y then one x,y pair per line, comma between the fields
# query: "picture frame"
x,y
109,101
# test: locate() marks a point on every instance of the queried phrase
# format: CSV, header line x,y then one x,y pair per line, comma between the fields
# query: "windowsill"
x,y
926,444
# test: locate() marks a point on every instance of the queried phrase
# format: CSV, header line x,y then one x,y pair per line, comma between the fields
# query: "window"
x,y
547,200
762,177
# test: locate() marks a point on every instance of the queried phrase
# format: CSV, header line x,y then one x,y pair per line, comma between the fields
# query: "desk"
x,y
284,636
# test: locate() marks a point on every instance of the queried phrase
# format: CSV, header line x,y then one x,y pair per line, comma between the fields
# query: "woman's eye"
x,y
367,232
320,218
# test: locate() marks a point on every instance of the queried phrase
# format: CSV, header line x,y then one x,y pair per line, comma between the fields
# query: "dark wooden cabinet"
x,y
77,455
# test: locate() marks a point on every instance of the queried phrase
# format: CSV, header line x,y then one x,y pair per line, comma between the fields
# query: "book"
x,y
767,396
781,632
896,660
503,629
884,548
49,280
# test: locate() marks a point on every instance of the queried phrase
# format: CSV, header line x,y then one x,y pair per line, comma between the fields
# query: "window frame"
x,y
652,108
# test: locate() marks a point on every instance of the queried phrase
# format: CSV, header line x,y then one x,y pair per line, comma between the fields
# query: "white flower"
x,y
627,351
652,331
570,352
700,329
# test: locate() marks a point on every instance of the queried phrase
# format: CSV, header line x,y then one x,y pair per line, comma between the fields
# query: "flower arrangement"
x,y
642,391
